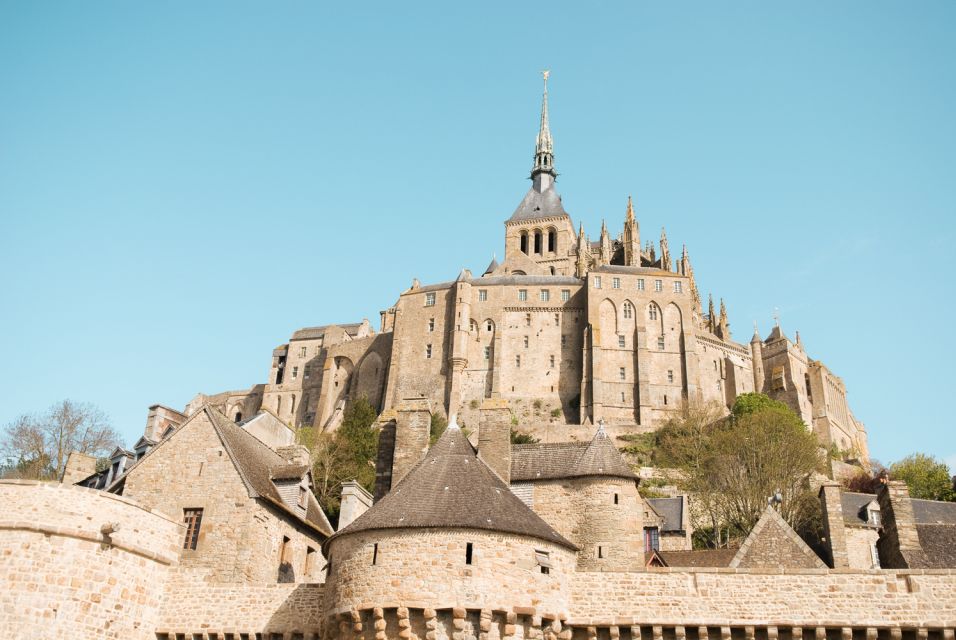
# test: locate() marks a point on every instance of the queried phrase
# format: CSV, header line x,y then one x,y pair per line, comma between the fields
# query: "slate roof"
x,y
492,265
939,545
700,558
672,510
289,471
537,204
451,487
255,463
554,460
311,333
924,511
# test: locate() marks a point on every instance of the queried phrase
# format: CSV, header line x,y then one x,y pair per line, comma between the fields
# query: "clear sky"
x,y
182,185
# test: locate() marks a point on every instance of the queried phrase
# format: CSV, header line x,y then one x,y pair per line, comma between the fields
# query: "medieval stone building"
x,y
563,329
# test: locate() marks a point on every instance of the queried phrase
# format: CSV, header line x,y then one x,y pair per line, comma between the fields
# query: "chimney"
x,y
494,437
79,466
834,527
412,430
899,543
355,501
294,454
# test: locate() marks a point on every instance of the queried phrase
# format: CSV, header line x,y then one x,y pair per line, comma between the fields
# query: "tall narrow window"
x,y
565,295
658,285
238,417
527,319
545,295
552,362
193,520
615,283
640,284
285,551
622,373
670,375
526,342
469,551
522,295
489,326
600,551
652,540
431,325
537,242
628,310
564,340
652,312
482,295
660,343
428,351
309,561
678,287
524,242
597,282
303,497
552,241
375,553
487,353
303,351
295,372
518,362
292,407
615,498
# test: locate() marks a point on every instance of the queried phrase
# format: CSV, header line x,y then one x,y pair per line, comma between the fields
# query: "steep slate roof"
x,y
537,204
700,558
451,487
772,535
255,463
939,545
671,509
554,460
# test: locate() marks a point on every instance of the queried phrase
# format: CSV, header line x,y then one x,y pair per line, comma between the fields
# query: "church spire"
x,y
543,173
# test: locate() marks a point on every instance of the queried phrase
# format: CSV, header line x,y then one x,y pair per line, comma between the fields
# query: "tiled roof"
x,y
255,463
700,558
553,460
451,487
671,509
924,511
939,545
537,204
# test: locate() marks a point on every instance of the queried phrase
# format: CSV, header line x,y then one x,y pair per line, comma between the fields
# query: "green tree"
x,y
925,476
437,427
520,437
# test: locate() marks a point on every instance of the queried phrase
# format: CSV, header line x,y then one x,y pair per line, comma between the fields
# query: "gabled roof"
x,y
537,204
772,543
924,511
452,488
255,463
554,460
671,510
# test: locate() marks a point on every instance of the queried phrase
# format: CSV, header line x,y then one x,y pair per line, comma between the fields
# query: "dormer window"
x,y
873,516
303,496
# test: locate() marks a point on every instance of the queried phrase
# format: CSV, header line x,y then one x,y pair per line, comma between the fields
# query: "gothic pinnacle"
x,y
542,173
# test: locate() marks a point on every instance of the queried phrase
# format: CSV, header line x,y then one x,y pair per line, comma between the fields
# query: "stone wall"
x,y
62,576
194,607
427,568
752,597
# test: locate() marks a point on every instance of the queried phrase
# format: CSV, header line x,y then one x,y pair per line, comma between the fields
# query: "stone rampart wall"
x,y
808,598
61,576
259,610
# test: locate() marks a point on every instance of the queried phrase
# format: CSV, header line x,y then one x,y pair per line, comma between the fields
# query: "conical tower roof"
x,y
602,458
452,488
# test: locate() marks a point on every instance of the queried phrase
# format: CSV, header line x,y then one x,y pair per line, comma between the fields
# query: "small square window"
x,y
429,299
658,285
522,295
678,287
597,282
615,283
640,284
489,326
482,295
620,342
428,351
565,295
545,295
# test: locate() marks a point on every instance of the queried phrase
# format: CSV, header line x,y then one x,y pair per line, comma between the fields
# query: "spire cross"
x,y
776,316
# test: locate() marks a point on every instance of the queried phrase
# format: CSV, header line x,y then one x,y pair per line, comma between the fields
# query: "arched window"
x,y
292,408
238,417
537,242
552,240
524,242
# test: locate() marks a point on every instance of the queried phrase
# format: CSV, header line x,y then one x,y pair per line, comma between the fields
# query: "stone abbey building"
x,y
564,329
209,529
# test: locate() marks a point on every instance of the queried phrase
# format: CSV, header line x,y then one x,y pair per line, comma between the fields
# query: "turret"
x,y
756,354
584,254
665,252
632,237
605,255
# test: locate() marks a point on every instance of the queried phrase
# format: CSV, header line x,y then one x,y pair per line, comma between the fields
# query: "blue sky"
x,y
182,185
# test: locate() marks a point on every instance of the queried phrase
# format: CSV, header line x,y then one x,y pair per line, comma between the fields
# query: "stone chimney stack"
x,y
834,527
412,428
899,543
355,501
294,454
494,437
79,466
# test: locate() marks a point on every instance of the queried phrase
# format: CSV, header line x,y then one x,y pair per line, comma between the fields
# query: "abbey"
x,y
565,329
